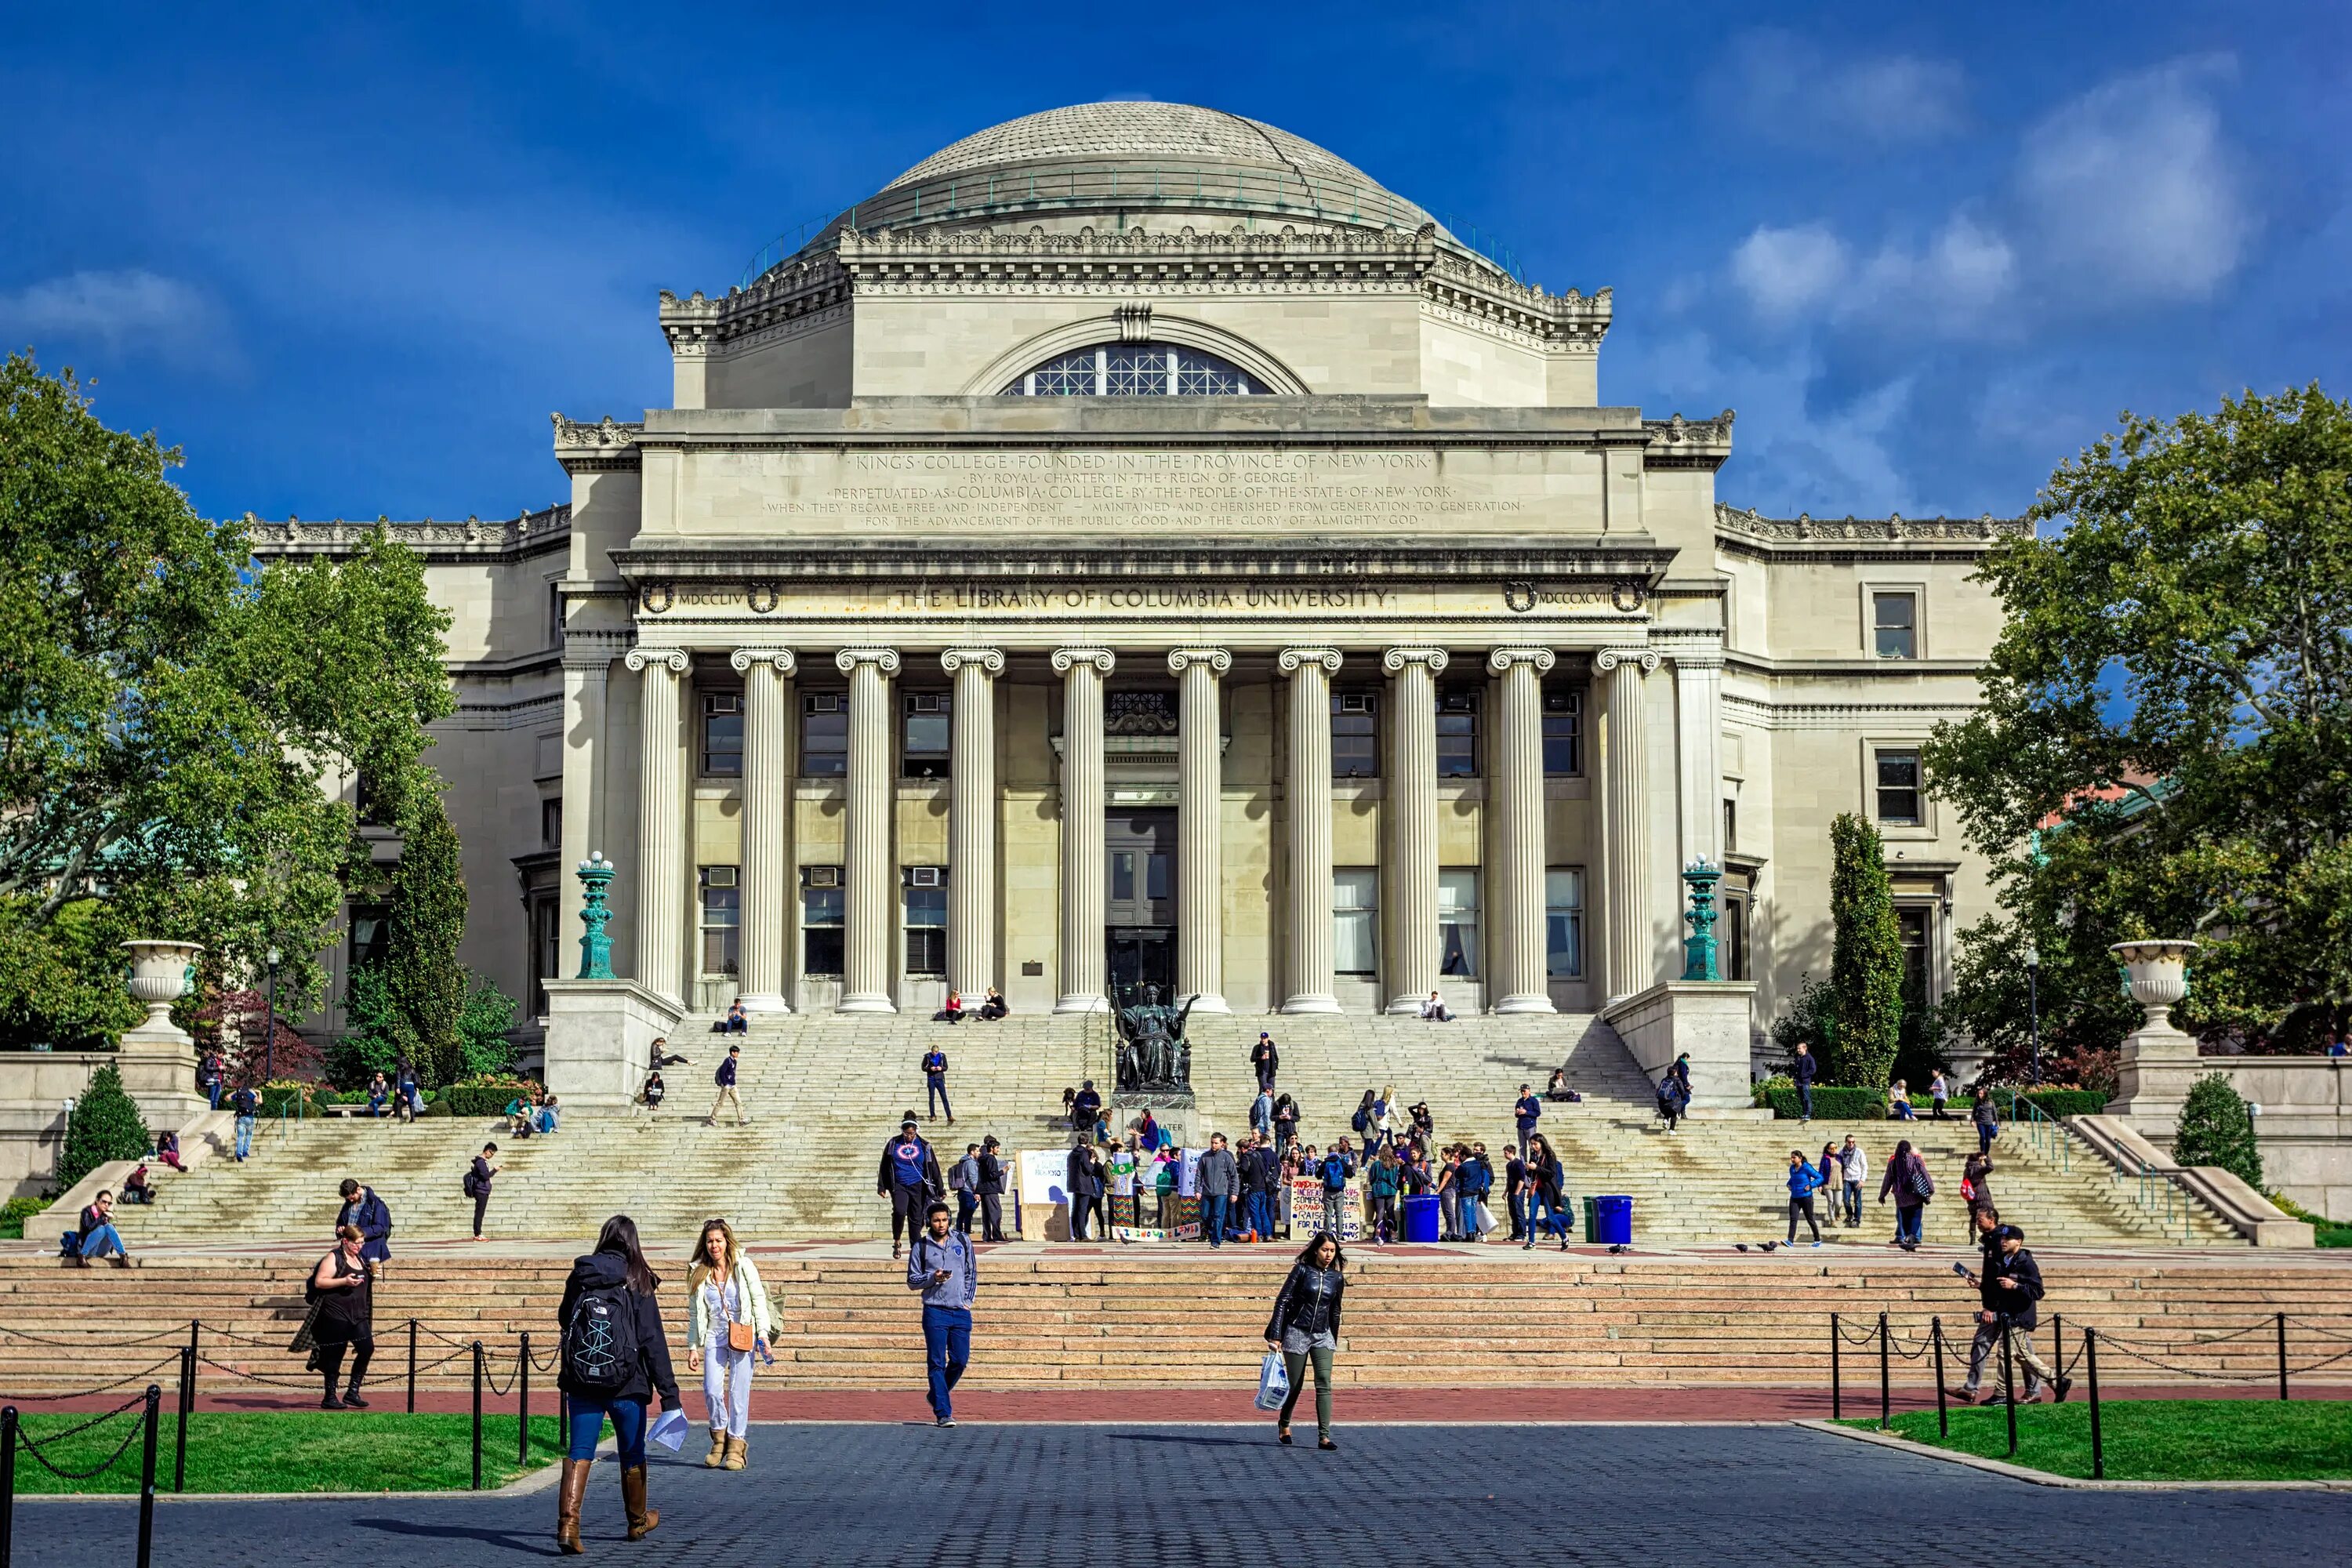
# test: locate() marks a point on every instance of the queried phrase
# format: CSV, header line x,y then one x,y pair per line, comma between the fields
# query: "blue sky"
x,y
349,259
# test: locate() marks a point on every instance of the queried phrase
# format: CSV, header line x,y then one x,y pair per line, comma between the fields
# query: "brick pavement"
x,y
1646,1497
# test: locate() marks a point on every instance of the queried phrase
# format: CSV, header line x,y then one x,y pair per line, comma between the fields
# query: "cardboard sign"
x,y
1044,1175
1304,1211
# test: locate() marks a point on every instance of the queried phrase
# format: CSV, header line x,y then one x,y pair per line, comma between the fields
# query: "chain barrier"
x,y
25,1442
172,1333
490,1379
1868,1337
101,1388
2309,1327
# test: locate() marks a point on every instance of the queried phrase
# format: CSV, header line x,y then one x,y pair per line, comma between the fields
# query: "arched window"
x,y
1135,370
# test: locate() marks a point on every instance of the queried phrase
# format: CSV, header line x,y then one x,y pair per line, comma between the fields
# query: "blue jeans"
x,y
1853,1202
588,1414
947,1351
1213,1218
1805,1093
1986,1133
1261,1213
213,1091
103,1240
936,1091
1907,1223
243,1136
967,1204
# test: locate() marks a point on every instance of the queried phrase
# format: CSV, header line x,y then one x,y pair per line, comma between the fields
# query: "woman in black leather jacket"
x,y
1304,1328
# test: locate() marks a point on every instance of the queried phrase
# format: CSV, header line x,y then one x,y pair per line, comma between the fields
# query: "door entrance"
x,y
1140,860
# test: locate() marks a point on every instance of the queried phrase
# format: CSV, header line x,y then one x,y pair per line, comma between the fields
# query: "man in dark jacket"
x,y
2006,1293
362,1208
1220,1179
1804,1070
1261,1179
1084,1108
1263,1059
910,1177
725,1079
990,1189
1082,1179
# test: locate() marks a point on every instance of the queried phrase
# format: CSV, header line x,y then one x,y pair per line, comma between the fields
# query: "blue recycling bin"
x,y
1420,1219
1612,1222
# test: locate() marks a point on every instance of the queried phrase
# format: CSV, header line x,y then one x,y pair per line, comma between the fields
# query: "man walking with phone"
x,y
941,1265
2008,1292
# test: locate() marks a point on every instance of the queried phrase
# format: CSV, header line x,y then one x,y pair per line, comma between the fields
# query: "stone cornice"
x,y
605,446
470,540
1678,443
1846,538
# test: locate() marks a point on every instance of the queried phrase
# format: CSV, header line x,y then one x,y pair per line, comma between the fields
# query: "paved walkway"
x,y
1651,1496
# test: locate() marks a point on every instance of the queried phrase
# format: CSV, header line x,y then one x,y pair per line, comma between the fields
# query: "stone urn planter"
x,y
159,977
2157,970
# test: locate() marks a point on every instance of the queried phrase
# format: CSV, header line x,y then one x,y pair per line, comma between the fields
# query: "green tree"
x,y
427,921
1865,960
172,715
105,1125
2166,742
482,1029
2217,1129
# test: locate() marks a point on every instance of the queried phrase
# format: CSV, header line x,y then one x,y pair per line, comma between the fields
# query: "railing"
x,y
2044,1132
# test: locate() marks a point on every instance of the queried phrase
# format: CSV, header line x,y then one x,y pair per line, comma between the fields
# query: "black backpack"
x,y
599,1342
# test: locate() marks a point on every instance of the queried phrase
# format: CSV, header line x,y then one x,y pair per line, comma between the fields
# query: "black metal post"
x,y
7,1481
2098,1450
477,1416
2009,1385
2282,1354
2033,1016
1886,1405
270,1025
1943,1416
522,1404
411,1366
2057,1348
1837,1410
147,1477
187,1398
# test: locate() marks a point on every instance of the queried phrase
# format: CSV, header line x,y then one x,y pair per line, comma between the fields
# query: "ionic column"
x,y
661,823
1199,809
1308,794
1408,812
872,896
1083,967
971,821
1698,753
1519,980
768,771
1628,964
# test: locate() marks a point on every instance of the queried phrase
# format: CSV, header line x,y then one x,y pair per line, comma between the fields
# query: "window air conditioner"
x,y
821,876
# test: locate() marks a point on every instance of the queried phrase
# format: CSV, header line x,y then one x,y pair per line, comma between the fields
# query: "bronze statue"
x,y
1153,1053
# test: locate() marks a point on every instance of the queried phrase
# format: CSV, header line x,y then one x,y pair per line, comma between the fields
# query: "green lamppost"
x,y
1698,948
596,947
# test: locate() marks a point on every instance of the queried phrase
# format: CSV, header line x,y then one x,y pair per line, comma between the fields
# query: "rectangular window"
x,y
927,921
555,615
825,735
551,822
924,748
722,734
822,912
1564,922
1898,788
1356,920
546,948
1563,733
1122,876
1732,956
1894,623
367,934
1457,734
1911,930
1730,826
1355,735
1457,922
723,920
1155,875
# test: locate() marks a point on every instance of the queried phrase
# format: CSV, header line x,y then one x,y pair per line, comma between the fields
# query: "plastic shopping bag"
x,y
1273,1382
1486,1218
668,1430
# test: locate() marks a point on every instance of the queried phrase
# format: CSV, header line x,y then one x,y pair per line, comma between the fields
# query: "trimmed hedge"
x,y
485,1098
1830,1104
14,1212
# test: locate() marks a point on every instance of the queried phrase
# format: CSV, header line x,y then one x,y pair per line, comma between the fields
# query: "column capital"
x,y
884,658
1291,659
783,659
988,659
1219,661
1711,659
1396,658
676,661
1065,658
1501,660
1609,659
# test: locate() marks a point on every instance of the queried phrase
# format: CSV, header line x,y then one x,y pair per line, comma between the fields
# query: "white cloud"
x,y
1784,271
1792,90
132,308
2131,191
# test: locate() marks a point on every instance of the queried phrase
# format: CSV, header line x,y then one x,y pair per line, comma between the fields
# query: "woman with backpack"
x,y
1304,1328
1976,1190
727,1320
477,1183
1544,1181
615,1358
1907,1182
342,1288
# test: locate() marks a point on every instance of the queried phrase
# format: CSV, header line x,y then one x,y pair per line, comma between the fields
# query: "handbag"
x,y
1273,1381
741,1335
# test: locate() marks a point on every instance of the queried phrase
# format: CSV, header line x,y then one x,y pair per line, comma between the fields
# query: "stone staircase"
x,y
825,1091
1093,1316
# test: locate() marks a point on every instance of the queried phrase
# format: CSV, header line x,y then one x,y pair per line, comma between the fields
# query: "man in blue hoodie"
x,y
1338,1166
943,1268
910,1177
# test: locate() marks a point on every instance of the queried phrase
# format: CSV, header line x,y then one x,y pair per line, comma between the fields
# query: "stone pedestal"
x,y
1176,1112
157,1061
1708,1020
600,1036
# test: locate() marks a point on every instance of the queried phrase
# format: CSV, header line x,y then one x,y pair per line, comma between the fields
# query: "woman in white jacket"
x,y
727,1307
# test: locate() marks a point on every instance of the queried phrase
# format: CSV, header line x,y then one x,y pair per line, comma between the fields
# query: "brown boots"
x,y
570,1491
739,1453
642,1518
717,1454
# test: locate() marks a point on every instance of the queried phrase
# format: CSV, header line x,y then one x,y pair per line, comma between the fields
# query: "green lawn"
x,y
292,1451
2157,1439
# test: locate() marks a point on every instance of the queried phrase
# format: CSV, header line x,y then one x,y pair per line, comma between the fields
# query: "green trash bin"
x,y
1591,1220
